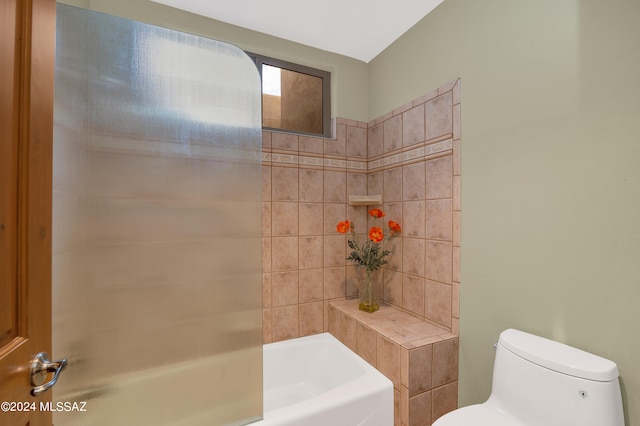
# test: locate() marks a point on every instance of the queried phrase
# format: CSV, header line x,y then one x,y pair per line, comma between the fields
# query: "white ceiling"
x,y
360,29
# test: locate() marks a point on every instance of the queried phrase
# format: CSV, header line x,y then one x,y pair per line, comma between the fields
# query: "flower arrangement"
x,y
372,253
369,257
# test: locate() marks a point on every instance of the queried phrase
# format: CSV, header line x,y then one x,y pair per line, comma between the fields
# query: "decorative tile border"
x,y
363,166
301,160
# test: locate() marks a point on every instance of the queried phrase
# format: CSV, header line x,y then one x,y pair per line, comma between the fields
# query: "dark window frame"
x,y
260,60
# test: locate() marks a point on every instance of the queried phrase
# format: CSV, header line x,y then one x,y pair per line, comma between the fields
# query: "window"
x,y
295,98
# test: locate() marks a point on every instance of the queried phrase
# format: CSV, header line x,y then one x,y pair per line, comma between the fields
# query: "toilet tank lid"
x,y
558,356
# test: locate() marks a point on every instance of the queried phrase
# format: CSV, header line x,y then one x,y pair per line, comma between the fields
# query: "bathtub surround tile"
x,y
334,316
392,134
456,264
420,365
351,284
393,287
392,185
413,219
311,188
356,184
439,261
348,333
334,283
445,399
310,252
439,116
375,140
356,142
360,219
414,182
388,359
284,288
456,122
266,140
439,216
333,213
397,408
456,193
455,325
413,126
445,366
337,146
310,282
438,306
334,250
404,406
455,302
311,218
366,343
410,155
286,223
409,351
311,145
420,407
375,183
457,165
311,318
439,175
335,187
284,183
413,294
285,323
456,229
413,256
284,253
404,367
284,141
394,267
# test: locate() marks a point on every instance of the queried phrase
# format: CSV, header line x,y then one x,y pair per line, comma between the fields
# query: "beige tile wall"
x,y
420,358
412,156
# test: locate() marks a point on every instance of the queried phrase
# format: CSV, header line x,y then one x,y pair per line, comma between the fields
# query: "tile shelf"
x,y
419,357
365,200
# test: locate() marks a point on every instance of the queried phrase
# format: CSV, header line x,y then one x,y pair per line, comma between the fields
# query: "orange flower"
x,y
344,227
394,226
377,213
375,234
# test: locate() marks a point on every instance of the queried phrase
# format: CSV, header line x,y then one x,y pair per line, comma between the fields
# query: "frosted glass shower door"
x,y
156,235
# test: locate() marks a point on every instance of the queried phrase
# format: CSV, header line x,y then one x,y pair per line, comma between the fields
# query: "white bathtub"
x,y
317,381
309,381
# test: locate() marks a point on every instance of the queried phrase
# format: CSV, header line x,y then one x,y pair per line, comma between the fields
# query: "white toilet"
x,y
539,382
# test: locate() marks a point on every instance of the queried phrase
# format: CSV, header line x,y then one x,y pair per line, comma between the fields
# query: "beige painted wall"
x,y
550,170
349,89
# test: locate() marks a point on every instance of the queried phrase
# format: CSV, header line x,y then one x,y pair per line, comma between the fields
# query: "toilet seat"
x,y
477,415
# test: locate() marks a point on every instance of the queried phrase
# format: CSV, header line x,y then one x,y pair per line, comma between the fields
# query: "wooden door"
x,y
27,44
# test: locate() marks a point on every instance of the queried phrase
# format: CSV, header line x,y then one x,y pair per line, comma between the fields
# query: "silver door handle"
x,y
40,369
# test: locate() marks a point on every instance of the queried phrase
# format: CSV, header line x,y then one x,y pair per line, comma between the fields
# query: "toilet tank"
x,y
543,382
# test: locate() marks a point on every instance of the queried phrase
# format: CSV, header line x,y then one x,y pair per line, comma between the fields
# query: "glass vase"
x,y
368,288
